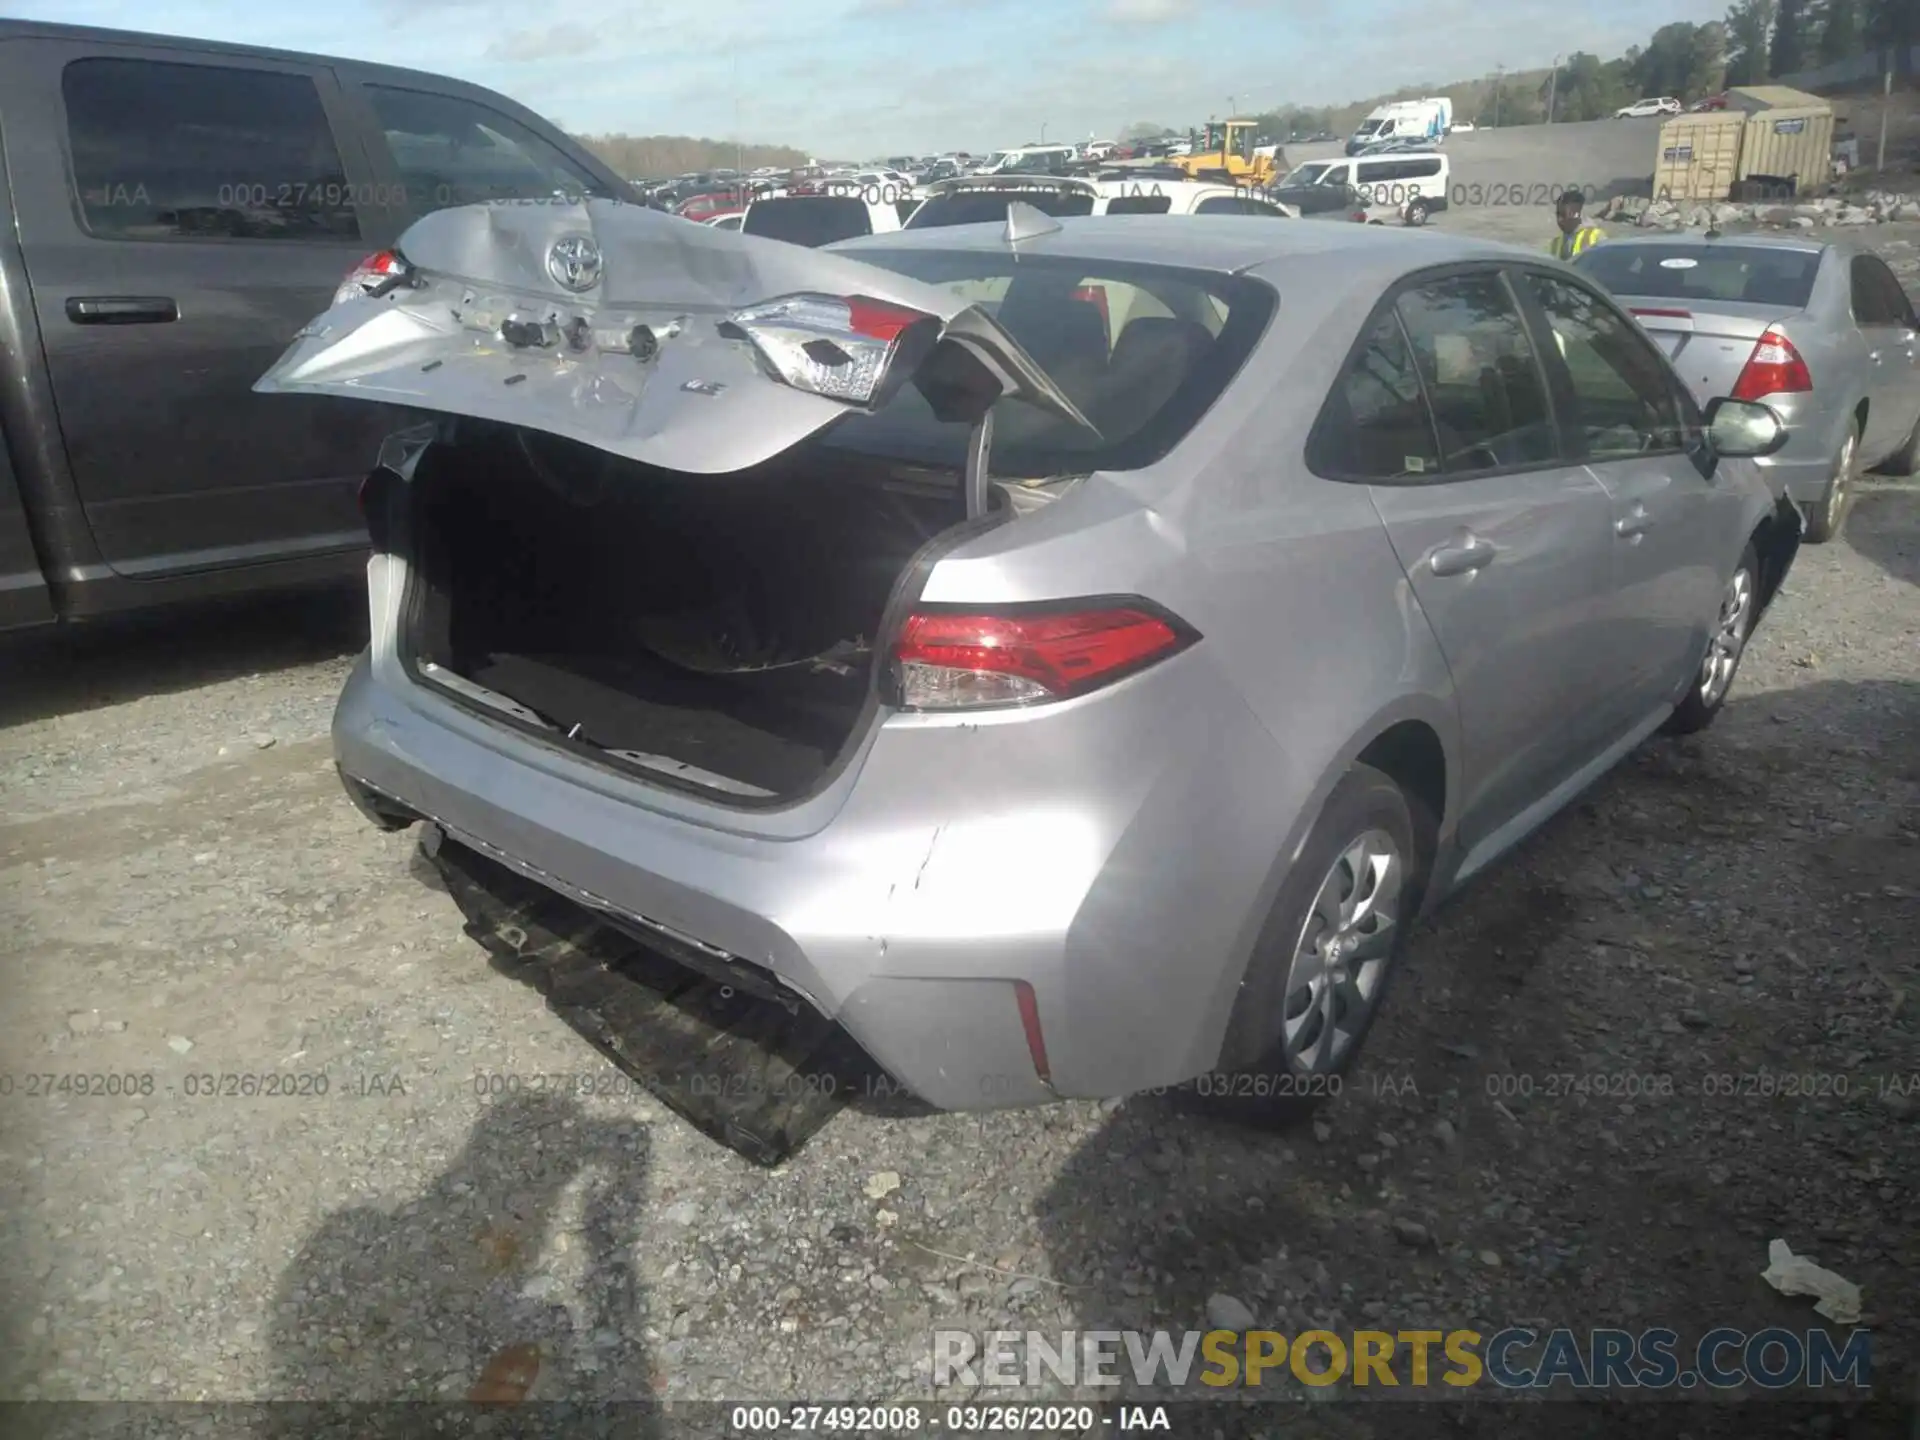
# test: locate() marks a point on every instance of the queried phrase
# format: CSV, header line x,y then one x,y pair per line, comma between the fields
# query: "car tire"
x,y
1826,520
1417,213
1905,460
1357,881
1726,647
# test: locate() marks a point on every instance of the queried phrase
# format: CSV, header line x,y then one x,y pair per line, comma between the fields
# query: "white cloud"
x,y
1145,12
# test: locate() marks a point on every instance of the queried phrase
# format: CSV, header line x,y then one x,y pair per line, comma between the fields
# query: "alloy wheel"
x,y
1841,483
1340,960
1729,637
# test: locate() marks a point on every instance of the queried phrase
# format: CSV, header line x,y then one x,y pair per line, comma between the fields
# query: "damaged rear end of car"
x,y
620,530
782,612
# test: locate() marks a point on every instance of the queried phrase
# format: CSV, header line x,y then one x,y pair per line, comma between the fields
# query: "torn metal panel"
x,y
603,323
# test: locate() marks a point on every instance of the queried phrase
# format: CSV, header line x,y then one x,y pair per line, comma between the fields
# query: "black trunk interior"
x,y
724,622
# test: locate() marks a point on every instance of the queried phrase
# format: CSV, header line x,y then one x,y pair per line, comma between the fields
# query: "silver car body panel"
x,y
1118,852
1870,370
701,403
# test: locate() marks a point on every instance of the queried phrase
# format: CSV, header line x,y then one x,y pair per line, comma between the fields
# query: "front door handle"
x,y
121,310
1635,522
1469,555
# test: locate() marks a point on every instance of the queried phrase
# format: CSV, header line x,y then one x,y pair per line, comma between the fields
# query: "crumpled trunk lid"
x,y
605,323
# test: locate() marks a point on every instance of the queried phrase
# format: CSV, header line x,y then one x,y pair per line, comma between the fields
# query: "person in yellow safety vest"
x,y
1574,236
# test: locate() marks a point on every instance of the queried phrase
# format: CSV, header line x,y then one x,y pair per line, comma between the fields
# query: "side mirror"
x,y
1742,429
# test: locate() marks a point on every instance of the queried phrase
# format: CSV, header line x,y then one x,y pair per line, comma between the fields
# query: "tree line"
x,y
1760,40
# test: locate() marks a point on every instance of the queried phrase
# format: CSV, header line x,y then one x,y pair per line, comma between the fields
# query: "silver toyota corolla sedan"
x,y
1820,330
1069,654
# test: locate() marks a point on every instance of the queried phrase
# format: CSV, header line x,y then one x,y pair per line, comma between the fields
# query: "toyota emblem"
x,y
574,262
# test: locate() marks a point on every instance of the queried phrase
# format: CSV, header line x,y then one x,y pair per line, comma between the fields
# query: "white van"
x,y
1403,120
1418,180
1033,159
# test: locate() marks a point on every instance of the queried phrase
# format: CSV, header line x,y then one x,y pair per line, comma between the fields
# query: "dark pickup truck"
x,y
171,212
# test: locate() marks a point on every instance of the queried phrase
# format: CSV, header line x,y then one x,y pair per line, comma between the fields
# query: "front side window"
x,y
1488,395
203,152
1624,399
451,151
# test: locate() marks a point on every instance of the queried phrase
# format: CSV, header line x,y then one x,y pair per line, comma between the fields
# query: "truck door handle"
x,y
121,309
1636,522
1469,555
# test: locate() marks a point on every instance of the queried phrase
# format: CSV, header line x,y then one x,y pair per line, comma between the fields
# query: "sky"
x,y
851,79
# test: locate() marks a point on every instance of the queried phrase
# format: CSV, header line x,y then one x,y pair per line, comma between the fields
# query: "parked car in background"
x,y
984,199
171,212
1819,330
1414,184
730,221
1710,102
1664,105
823,212
981,741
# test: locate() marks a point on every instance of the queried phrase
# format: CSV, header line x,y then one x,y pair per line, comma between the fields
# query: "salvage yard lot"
x,y
189,897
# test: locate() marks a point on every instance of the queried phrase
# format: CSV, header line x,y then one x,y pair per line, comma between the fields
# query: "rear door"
x,y
1505,543
200,210
1881,311
1624,416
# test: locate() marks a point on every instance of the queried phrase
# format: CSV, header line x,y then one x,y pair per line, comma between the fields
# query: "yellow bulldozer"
x,y
1230,153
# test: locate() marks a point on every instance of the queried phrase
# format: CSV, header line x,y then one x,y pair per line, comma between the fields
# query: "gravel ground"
x,y
189,896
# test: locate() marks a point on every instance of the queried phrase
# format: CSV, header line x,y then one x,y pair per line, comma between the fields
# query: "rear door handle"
x,y
1635,522
121,309
1471,554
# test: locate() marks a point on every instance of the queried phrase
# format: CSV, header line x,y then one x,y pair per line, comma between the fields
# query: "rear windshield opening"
x,y
1748,274
980,207
1143,351
809,219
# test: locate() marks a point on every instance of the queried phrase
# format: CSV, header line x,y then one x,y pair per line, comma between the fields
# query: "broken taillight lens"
x,y
844,348
965,660
376,275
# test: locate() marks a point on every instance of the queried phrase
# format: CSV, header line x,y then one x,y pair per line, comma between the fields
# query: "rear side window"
x,y
1749,274
451,151
1139,205
1482,378
809,219
203,152
1877,296
976,207
1624,401
1376,425
1142,351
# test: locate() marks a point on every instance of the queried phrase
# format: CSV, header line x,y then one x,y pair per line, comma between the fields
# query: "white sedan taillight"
x,y
853,349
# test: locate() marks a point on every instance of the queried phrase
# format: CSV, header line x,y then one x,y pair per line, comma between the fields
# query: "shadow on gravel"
x,y
108,661
1602,945
1885,527
441,1299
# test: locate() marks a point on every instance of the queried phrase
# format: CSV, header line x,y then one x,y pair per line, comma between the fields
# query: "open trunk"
x,y
719,634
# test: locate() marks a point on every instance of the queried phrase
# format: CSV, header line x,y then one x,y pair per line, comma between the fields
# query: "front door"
x,y
1623,415
201,211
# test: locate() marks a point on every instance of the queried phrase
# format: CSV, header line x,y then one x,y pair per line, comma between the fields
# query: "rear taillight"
x,y
376,275
1774,368
960,660
849,348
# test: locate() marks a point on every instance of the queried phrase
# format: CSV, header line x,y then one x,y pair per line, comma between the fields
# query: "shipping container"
x,y
1789,136
1699,156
